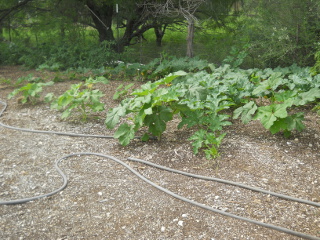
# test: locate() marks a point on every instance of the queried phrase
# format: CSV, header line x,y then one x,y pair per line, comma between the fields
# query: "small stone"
x,y
224,209
180,223
184,215
310,145
296,139
100,193
163,229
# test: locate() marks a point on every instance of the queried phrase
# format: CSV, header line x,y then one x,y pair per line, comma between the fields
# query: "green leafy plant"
x,y
317,108
51,67
237,56
275,116
5,81
151,107
203,100
155,104
159,68
30,92
208,141
79,98
316,68
30,78
122,91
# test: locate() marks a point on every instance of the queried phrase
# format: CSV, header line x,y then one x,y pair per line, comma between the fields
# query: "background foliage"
x,y
93,33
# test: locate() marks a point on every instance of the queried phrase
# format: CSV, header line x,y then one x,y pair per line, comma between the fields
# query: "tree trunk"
x,y
159,32
190,38
134,29
102,18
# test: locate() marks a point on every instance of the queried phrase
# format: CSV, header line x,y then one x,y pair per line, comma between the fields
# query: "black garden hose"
x,y
65,182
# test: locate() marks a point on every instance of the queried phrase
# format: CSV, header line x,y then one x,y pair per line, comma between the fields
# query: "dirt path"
x,y
105,201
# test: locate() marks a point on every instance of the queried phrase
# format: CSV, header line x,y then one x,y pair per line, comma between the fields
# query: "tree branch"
x,y
8,11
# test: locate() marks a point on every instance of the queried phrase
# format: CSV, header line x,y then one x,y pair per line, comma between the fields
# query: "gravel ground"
x,y
103,200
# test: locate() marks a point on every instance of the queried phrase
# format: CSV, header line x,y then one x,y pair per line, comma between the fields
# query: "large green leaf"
x,y
269,114
190,118
198,139
306,97
246,112
272,83
288,124
125,134
283,96
114,116
157,121
295,122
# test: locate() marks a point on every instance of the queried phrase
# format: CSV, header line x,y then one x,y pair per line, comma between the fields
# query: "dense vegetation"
x,y
92,33
245,59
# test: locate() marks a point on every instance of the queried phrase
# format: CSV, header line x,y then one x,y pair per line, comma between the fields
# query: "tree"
x,y
130,17
171,8
10,8
102,16
134,17
191,11
289,29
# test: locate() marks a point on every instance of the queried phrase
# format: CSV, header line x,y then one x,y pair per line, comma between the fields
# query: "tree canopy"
x,y
134,17
289,28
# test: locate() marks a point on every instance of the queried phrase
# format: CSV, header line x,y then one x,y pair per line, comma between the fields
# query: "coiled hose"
x,y
65,182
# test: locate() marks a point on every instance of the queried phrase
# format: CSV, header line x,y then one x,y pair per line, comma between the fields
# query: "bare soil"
x,y
104,200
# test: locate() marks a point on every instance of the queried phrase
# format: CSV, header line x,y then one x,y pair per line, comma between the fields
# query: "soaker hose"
x,y
65,182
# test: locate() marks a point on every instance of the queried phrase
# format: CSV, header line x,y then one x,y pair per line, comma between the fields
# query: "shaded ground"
x,y
105,201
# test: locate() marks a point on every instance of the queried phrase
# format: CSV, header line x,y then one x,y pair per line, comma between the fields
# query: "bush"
x,y
58,56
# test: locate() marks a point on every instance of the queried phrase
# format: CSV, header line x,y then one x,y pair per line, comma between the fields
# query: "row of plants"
x,y
205,98
208,101
80,98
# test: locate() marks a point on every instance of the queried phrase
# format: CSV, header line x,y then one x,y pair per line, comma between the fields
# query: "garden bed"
x,y
105,201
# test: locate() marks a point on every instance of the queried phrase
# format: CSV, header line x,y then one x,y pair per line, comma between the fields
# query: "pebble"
x,y
180,223
224,209
163,229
